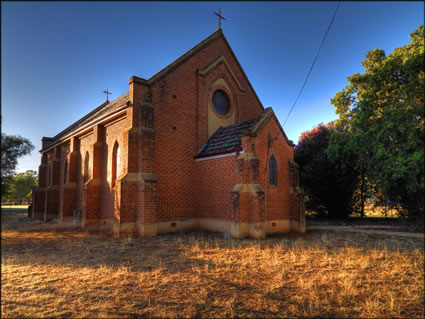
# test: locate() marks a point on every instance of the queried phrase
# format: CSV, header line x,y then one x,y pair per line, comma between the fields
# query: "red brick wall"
x,y
52,190
180,100
277,197
216,180
185,188
113,133
85,143
64,150
42,171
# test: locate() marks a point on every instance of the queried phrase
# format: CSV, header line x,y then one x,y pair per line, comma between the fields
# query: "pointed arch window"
x,y
272,171
115,163
49,174
86,167
65,172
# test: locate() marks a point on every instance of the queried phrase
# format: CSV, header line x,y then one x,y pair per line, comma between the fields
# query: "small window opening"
x,y
115,163
272,171
65,172
86,167
49,174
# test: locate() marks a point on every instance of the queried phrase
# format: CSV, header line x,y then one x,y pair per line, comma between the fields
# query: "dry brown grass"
x,y
53,272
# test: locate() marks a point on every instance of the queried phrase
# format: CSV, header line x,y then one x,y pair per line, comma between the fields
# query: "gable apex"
x,y
217,34
159,75
263,119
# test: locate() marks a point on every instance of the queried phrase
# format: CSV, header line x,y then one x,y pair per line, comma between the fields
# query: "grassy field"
x,y
371,211
52,272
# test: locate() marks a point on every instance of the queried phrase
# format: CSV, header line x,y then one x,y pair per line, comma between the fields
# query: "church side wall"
x,y
178,105
52,199
277,197
64,155
174,101
85,143
113,133
216,180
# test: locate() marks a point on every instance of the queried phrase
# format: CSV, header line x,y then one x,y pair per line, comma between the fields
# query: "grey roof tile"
x,y
225,139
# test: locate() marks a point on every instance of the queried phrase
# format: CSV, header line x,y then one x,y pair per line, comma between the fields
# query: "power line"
x,y
314,61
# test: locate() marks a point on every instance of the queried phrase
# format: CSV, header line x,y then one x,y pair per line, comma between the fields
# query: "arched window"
x,y
272,171
49,174
115,163
86,167
65,172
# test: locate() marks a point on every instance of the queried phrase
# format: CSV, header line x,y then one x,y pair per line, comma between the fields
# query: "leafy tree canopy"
x,y
21,185
383,110
12,147
329,183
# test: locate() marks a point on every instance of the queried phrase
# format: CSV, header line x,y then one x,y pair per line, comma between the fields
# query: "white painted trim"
x,y
217,156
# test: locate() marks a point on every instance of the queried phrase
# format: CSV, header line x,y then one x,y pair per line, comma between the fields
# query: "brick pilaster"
x,y
70,188
92,188
51,206
248,197
39,194
137,191
297,199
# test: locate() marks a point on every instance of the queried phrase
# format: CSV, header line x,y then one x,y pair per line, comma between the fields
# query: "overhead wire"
x,y
314,62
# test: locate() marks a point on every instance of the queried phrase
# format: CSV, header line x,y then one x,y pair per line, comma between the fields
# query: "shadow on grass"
x,y
33,242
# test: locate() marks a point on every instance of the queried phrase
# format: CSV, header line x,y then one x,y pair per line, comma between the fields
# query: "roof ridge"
x,y
83,118
71,127
262,120
170,67
157,76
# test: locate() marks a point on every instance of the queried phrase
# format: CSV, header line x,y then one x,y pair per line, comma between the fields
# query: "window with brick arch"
x,y
86,167
49,174
272,171
115,163
65,172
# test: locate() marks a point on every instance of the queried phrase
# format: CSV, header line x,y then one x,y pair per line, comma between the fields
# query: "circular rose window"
x,y
221,102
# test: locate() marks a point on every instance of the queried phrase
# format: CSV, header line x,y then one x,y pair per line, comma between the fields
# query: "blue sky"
x,y
58,57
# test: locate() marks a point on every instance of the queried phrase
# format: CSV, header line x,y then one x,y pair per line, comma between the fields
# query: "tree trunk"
x,y
362,193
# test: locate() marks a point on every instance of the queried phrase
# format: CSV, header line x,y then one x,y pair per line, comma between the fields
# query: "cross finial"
x,y
107,93
219,18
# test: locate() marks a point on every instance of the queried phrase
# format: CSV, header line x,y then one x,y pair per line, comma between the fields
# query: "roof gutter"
x,y
234,151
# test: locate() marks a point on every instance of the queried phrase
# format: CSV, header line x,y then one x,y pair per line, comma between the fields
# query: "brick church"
x,y
190,148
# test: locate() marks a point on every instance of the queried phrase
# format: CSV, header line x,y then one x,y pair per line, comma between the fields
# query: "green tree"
x,y
383,110
12,147
345,154
329,183
21,185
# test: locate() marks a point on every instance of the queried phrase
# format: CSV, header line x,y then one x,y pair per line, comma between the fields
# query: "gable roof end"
x,y
172,66
228,139
225,140
263,119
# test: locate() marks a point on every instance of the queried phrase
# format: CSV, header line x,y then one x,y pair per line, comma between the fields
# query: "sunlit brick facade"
x,y
173,154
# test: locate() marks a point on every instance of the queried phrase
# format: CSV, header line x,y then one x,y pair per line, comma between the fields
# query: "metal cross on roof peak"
x,y
219,18
107,93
